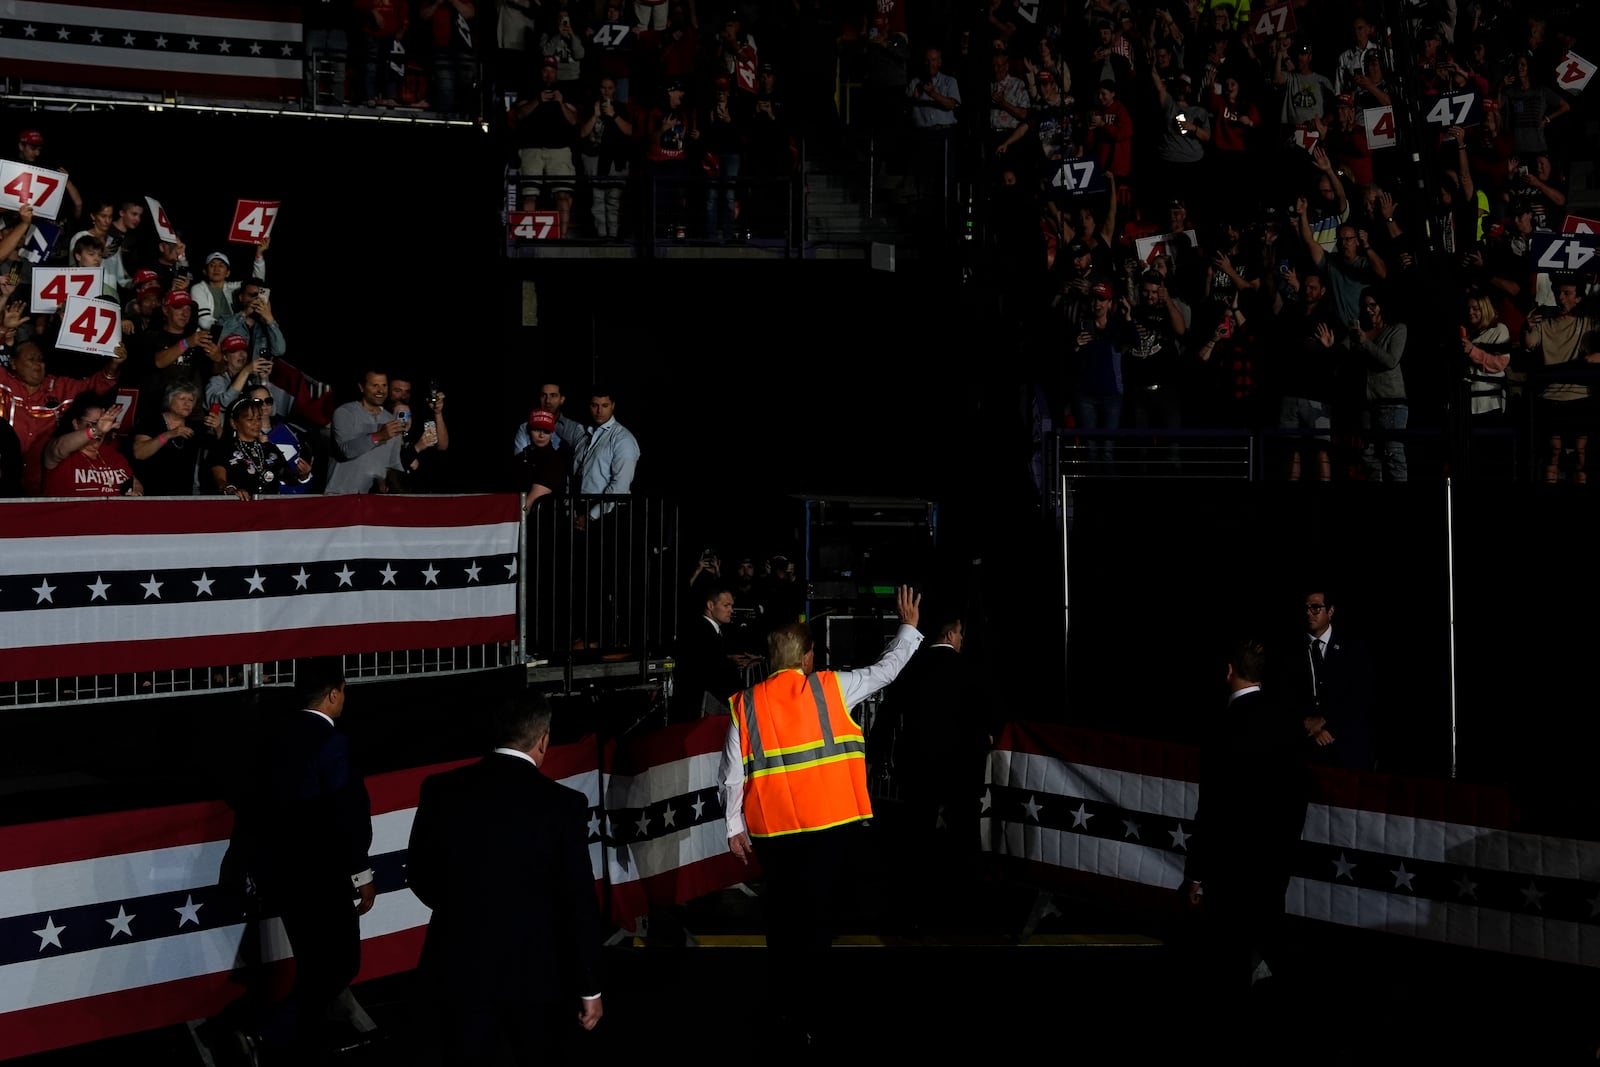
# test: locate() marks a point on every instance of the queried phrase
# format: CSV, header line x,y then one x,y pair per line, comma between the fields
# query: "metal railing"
x,y
605,591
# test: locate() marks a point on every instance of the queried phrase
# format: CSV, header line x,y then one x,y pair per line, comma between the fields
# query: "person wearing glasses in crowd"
x,y
287,440
1329,677
246,465
1380,345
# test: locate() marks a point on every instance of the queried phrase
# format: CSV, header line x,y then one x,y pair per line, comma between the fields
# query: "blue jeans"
x,y
719,193
1385,461
1098,412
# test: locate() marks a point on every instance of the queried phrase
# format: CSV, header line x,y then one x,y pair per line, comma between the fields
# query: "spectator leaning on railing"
x,y
80,460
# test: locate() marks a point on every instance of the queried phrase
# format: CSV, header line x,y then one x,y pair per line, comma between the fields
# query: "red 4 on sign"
x,y
158,214
535,225
252,221
1381,132
1574,73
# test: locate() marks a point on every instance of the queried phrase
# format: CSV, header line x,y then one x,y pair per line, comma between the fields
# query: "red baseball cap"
x,y
177,299
33,137
540,419
144,279
551,61
1101,289
234,342
720,82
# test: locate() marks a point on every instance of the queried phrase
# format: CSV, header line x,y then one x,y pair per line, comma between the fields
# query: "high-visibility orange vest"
x,y
804,756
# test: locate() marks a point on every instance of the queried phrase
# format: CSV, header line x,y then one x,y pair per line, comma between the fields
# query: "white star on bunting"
x,y
44,589
1402,877
190,912
643,825
287,51
511,568
152,588
986,801
51,934
699,807
256,582
193,44
203,584
594,824
430,576
29,31
1531,896
472,571
63,34
1180,839
388,573
97,591
122,923
161,42
255,48
1082,816
1342,868
95,37
1466,888
128,39
1031,809
301,578
669,817
225,47
344,575
1130,829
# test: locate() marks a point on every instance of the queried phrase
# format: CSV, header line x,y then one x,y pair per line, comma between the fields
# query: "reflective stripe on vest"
x,y
782,760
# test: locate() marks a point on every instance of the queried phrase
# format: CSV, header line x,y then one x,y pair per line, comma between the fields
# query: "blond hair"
x,y
787,646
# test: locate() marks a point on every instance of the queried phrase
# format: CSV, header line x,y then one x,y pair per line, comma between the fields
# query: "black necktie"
x,y
1316,666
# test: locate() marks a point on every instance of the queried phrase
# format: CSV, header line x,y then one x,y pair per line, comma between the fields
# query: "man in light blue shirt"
x,y
935,96
604,457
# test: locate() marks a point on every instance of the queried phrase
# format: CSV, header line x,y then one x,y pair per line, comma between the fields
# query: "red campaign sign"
x,y
252,221
1579,224
1271,21
535,225
158,215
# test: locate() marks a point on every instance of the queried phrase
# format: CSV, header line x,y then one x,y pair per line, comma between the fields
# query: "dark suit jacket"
x,y
1253,791
700,665
501,855
1347,694
935,719
307,821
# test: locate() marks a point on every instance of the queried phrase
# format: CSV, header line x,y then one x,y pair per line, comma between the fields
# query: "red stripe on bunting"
x,y
137,78
71,518
91,836
671,743
178,653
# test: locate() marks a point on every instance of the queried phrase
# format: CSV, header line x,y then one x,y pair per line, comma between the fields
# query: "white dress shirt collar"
x,y
319,715
517,752
1237,693
715,625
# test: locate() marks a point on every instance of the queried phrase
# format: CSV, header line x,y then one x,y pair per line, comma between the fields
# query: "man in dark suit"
x,y
312,829
934,729
704,672
500,853
1331,683
1252,808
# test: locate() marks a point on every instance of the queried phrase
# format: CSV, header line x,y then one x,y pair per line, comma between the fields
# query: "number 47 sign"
x,y
90,325
1075,177
252,221
1576,253
22,184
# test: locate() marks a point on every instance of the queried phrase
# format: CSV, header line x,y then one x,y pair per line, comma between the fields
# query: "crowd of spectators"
x,y
199,395
1328,232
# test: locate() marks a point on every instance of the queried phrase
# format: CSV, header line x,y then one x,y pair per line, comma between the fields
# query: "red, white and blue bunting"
x,y
1432,859
110,924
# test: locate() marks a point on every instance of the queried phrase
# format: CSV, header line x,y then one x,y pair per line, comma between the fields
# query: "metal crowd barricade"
x,y
600,600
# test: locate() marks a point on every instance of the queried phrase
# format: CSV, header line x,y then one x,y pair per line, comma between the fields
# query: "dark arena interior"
x,y
1133,335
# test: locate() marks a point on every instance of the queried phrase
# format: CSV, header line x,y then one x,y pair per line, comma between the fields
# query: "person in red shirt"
x,y
79,460
32,401
1111,132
